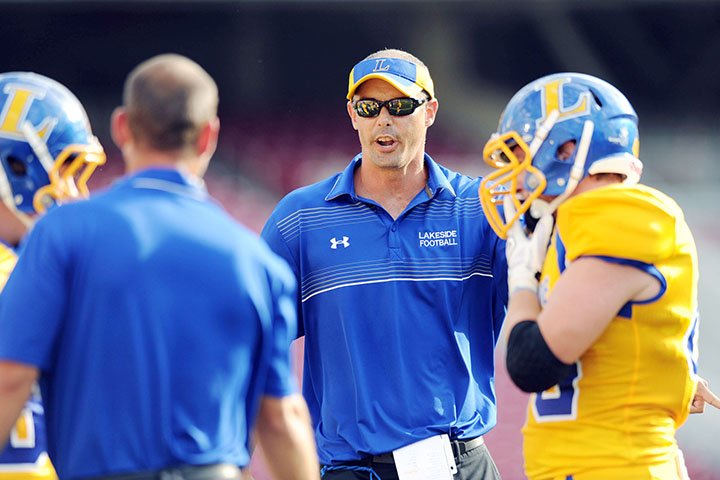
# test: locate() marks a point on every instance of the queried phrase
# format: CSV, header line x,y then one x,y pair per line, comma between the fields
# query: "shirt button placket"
x,y
394,241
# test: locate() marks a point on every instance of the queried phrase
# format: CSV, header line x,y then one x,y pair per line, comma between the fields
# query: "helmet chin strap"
x,y
41,152
6,191
38,146
542,132
541,207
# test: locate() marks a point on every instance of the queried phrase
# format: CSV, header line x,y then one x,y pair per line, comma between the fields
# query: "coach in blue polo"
x,y
402,292
159,328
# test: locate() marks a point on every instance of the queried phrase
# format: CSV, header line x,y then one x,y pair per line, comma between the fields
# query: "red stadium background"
x,y
282,66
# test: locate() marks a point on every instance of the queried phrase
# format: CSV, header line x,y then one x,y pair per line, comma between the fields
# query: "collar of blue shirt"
x,y
168,179
345,184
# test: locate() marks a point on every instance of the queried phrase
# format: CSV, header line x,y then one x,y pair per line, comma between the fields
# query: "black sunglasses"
x,y
397,107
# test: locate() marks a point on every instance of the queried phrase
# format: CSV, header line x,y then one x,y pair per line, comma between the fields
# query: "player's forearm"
x,y
16,381
523,305
286,437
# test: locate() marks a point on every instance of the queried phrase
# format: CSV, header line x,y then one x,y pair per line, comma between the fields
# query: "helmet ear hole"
x,y
565,151
17,166
598,102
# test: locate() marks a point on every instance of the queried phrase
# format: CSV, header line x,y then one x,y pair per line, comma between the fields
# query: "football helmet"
x,y
47,149
539,120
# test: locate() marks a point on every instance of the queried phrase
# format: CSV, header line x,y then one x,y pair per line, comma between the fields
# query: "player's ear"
x,y
119,128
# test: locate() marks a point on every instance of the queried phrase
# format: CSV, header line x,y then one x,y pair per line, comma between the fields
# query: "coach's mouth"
x,y
386,143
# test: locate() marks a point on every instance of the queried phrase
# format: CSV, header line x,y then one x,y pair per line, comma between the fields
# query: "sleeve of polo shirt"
x,y
499,267
33,302
280,380
273,237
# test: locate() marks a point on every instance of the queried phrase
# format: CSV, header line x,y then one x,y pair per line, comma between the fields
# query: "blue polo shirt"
x,y
157,323
400,317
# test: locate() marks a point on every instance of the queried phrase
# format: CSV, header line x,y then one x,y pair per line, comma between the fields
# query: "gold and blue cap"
x,y
409,78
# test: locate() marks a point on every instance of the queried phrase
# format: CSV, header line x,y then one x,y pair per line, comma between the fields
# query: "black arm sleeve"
x,y
530,363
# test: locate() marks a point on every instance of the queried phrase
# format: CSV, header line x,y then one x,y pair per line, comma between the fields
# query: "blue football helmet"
x,y
47,149
540,119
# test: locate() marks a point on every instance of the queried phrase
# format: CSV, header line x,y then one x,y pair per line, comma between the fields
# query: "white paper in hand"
x,y
429,459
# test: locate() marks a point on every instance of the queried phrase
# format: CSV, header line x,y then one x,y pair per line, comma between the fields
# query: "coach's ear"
x,y
431,110
351,112
119,128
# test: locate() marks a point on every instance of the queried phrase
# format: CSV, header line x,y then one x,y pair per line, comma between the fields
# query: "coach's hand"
x,y
525,253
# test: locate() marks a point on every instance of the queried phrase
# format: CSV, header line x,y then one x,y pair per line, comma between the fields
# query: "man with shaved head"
x,y
168,101
166,324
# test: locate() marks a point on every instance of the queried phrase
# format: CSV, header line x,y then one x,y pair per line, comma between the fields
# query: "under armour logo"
x,y
334,242
380,66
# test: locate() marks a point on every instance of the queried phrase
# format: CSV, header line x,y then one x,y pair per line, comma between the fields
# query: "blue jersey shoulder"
x,y
465,186
308,196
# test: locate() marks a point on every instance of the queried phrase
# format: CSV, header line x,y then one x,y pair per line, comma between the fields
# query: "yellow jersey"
x,y
24,456
8,259
616,415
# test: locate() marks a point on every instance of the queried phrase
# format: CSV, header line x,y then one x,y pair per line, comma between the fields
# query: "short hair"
x,y
168,99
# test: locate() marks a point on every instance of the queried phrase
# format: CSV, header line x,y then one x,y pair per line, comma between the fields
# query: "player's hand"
x,y
703,395
525,253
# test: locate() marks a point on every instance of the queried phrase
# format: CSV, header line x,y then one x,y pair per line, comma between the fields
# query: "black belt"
x,y
220,471
459,447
